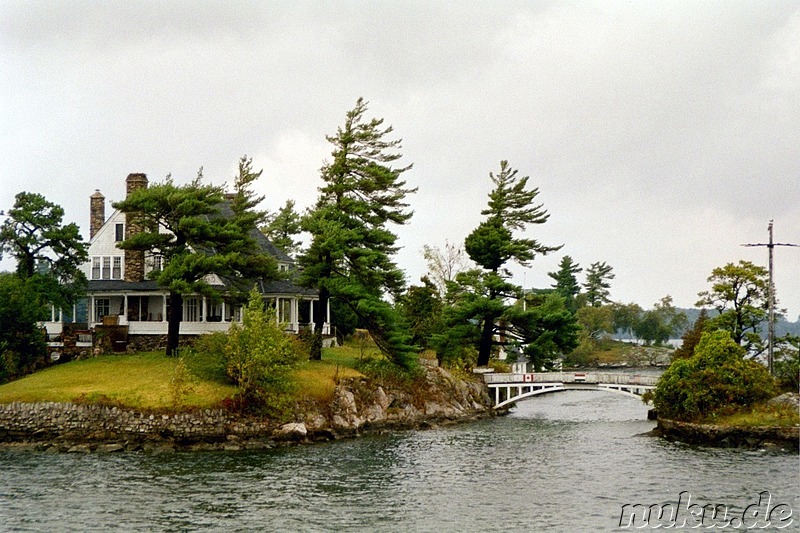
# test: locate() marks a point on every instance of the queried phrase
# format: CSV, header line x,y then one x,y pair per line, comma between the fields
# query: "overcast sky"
x,y
661,135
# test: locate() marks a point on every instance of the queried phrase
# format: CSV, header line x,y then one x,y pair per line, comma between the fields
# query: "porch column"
x,y
203,310
295,315
91,309
164,307
328,315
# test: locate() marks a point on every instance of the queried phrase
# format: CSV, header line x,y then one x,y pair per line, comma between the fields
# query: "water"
x,y
559,462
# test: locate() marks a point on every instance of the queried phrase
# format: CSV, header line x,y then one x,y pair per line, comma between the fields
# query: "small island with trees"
x,y
405,354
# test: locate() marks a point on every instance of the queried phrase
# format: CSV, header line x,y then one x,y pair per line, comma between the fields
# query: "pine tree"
x,y
566,283
200,239
350,256
484,292
597,284
283,227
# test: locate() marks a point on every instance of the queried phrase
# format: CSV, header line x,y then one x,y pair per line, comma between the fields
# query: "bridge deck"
x,y
509,388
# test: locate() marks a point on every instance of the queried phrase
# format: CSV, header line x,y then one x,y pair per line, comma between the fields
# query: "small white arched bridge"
x,y
510,388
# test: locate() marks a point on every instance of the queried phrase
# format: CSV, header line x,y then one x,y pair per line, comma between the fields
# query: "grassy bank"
x,y
760,415
144,380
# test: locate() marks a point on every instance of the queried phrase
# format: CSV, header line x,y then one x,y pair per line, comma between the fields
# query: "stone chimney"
x,y
97,212
134,259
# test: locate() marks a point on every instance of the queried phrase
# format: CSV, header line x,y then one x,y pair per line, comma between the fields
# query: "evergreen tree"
x,y
484,293
566,283
422,308
597,284
198,234
282,228
350,255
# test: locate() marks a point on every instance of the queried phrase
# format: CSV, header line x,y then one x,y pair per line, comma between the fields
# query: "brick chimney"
x,y
134,259
97,212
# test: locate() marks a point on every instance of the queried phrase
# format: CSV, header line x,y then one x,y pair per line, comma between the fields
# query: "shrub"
x,y
181,383
716,380
259,356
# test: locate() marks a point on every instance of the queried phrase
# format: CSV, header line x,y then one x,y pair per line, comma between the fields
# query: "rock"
x,y
382,399
375,413
315,421
790,398
79,448
110,448
436,409
291,431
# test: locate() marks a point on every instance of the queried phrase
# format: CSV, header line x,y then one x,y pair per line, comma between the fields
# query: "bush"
x,y
716,380
259,356
206,358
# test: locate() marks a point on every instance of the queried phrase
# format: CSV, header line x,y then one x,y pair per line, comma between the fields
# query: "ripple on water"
x,y
560,462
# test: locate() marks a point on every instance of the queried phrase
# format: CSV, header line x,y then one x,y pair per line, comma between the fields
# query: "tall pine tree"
x,y
486,293
566,283
598,277
350,255
283,227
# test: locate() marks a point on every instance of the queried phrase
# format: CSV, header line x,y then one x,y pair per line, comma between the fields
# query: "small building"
x,y
132,310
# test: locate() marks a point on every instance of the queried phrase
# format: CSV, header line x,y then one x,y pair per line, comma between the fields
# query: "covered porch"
x,y
146,313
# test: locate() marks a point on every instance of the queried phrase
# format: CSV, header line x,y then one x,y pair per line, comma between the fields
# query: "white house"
x,y
120,294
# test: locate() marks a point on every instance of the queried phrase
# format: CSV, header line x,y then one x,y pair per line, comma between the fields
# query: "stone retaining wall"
x,y
358,406
43,421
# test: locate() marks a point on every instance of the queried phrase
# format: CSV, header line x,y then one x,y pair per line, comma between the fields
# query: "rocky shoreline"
x,y
768,437
358,407
758,437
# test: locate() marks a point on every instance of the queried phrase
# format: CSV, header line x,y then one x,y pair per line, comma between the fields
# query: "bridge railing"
x,y
617,378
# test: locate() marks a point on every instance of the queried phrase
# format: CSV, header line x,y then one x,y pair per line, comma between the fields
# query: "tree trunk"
x,y
174,322
320,314
485,346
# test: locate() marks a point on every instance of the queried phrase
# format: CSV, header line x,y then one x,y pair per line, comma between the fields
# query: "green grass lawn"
x,y
762,414
143,380
139,381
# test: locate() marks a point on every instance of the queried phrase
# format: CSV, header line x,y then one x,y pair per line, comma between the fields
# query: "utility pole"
x,y
771,295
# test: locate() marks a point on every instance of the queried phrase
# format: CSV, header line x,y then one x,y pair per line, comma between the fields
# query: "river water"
x,y
566,461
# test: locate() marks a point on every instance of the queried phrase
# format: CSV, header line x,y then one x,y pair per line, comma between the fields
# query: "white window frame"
x,y
102,307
